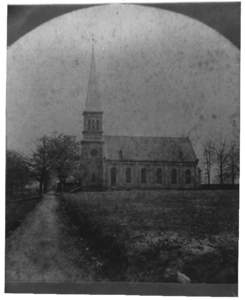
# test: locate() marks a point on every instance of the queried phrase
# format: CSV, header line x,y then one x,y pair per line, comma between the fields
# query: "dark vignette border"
x,y
223,17
118,288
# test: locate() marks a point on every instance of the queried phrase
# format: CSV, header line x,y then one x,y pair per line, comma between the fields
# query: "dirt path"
x,y
40,250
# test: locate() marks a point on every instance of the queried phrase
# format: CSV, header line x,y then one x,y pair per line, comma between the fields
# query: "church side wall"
x,y
151,175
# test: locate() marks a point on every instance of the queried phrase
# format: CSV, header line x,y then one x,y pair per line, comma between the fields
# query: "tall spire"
x,y
93,98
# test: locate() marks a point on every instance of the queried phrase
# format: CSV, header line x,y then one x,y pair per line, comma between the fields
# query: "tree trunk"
x,y
221,173
40,187
62,184
208,175
232,174
45,184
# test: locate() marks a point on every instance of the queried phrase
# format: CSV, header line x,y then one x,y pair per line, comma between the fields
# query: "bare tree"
x,y
221,157
208,154
232,169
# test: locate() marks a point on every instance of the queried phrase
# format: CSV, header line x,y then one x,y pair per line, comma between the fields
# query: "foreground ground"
x,y
40,250
155,236
160,235
17,207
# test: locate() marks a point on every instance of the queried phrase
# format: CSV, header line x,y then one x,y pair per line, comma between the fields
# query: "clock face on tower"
x,y
94,152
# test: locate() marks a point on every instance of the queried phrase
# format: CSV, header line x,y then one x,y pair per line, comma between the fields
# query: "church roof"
x,y
93,98
141,148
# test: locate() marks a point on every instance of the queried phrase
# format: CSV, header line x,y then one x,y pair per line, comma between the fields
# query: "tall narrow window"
x,y
159,175
188,176
143,175
128,175
93,178
120,153
89,124
113,176
97,125
174,176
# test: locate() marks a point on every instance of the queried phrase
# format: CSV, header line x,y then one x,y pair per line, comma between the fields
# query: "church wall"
x,y
93,173
151,176
91,164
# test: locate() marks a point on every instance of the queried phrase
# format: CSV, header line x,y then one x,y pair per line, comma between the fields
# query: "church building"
x,y
127,162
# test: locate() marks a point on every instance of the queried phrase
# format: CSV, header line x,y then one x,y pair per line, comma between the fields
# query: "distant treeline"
x,y
55,156
221,160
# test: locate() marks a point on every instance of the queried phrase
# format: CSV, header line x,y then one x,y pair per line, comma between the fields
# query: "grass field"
x,y
16,211
157,236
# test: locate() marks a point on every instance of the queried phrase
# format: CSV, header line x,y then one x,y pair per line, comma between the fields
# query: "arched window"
x,y
93,178
188,176
159,175
113,176
174,176
128,175
120,153
143,175
97,125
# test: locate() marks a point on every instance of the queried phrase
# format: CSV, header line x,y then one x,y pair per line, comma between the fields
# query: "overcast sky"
x,y
159,74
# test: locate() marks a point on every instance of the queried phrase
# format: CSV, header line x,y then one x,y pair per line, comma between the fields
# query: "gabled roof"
x,y
141,148
93,98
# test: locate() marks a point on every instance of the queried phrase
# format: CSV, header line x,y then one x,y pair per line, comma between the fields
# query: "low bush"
x,y
16,211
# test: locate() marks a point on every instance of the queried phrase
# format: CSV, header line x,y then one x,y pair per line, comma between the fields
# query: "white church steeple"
x,y
93,113
93,97
92,143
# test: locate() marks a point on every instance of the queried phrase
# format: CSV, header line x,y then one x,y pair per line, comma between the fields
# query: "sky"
x,y
159,74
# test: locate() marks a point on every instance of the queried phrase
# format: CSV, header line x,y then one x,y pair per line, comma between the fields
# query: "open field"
x,y
159,236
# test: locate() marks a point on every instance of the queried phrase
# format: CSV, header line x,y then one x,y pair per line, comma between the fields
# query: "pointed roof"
x,y
145,148
93,98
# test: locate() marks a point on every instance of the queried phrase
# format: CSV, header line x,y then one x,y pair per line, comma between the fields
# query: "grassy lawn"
x,y
156,235
16,211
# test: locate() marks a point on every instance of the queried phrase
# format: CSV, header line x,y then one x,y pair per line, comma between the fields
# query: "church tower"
x,y
92,143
